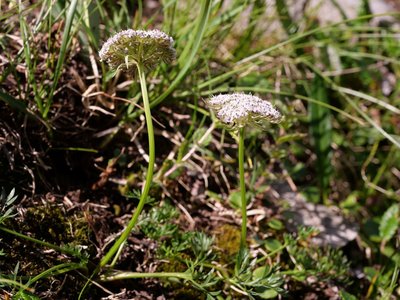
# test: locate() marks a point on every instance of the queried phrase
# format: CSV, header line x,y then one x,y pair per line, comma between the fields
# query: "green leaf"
x,y
350,202
371,229
235,200
346,296
14,103
389,223
391,253
370,272
260,272
275,224
272,244
268,294
311,193
25,296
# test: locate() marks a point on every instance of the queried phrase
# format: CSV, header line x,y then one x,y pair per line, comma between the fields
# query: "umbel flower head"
x,y
238,110
130,47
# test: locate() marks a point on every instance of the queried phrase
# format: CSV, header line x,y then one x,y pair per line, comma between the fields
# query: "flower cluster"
x,y
238,110
130,47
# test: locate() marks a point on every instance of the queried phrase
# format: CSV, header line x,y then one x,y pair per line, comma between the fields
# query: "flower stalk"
x,y
150,170
237,111
135,52
242,189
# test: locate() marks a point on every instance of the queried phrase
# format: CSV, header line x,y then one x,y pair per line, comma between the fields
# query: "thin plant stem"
x,y
150,132
56,270
242,189
15,283
64,250
272,253
136,275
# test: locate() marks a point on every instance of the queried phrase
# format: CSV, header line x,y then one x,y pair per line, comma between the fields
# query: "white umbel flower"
x,y
238,110
129,47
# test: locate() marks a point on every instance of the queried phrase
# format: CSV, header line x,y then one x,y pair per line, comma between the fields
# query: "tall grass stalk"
x,y
27,52
63,52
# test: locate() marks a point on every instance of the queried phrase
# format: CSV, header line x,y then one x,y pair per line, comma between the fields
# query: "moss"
x,y
54,225
48,223
227,241
180,290
131,181
172,265
188,292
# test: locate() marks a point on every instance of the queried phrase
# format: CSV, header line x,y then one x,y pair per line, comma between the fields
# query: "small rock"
x,y
335,230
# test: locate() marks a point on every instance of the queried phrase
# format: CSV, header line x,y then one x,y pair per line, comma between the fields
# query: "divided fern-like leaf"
x,y
6,205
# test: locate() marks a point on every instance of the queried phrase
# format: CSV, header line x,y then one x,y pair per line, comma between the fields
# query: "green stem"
x,y
74,253
242,189
272,253
150,132
135,275
56,270
15,283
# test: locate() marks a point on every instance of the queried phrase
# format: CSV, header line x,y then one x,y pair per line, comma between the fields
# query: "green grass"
x,y
338,145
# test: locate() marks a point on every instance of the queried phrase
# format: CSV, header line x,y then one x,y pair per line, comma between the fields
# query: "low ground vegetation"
x,y
318,193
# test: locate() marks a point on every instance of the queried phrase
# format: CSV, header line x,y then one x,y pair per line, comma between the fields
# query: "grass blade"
x,y
392,138
14,103
321,132
29,63
63,51
197,38
21,107
302,35
370,98
285,18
